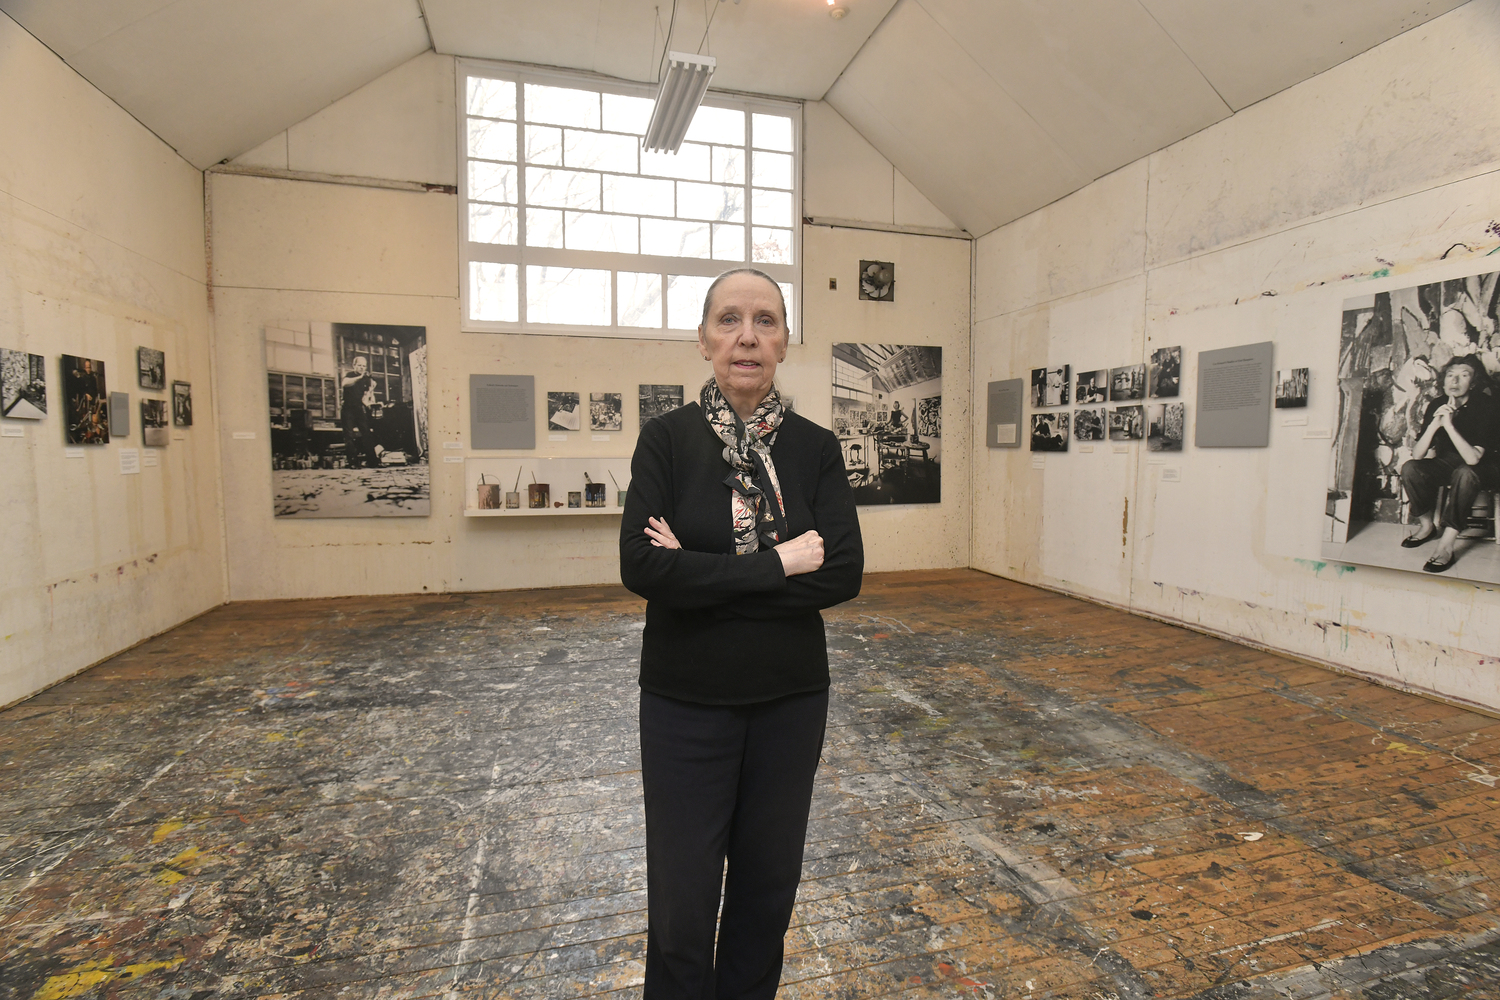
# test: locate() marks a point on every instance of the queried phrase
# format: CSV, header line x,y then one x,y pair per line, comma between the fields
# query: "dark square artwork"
x,y
1291,388
182,404
606,411
1127,423
1128,382
1088,425
1166,372
1049,432
877,280
85,400
1164,426
1093,387
1049,386
152,367
658,399
23,385
563,412
154,433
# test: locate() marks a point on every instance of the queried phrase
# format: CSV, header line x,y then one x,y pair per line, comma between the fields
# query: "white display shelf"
x,y
562,475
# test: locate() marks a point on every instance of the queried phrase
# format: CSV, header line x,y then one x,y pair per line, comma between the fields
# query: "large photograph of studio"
x,y
887,414
348,419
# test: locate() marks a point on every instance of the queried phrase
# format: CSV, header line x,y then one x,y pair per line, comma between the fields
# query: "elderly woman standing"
x,y
739,528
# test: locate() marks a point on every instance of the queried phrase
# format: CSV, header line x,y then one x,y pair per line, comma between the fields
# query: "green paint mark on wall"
x,y
1318,566
1384,272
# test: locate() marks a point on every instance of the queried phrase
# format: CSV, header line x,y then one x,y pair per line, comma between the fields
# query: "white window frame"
x,y
521,255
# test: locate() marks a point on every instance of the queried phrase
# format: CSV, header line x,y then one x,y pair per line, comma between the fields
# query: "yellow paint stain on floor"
x,y
85,977
168,828
169,877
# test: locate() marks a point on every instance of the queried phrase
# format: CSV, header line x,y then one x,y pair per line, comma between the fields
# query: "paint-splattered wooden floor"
x,y
1023,796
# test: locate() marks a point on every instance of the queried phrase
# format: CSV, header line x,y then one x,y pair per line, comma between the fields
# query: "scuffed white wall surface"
x,y
1357,181
101,251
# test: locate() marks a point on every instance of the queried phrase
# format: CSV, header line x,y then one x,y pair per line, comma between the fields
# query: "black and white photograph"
x,y
1128,382
877,280
1127,423
182,404
564,412
348,413
151,366
1049,386
1093,387
1418,370
1166,372
154,433
85,400
658,399
1164,426
23,385
887,415
606,411
1291,388
1088,425
1049,432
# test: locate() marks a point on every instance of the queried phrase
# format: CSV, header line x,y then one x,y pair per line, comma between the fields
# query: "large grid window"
x,y
569,227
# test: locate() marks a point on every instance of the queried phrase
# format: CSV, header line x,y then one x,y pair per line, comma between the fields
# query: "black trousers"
x,y
1423,477
724,783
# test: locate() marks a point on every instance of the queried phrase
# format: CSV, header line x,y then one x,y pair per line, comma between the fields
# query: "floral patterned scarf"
x,y
755,492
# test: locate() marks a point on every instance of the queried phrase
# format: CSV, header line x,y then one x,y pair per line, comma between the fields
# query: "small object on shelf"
x,y
489,494
539,495
513,498
575,498
557,503
593,495
619,493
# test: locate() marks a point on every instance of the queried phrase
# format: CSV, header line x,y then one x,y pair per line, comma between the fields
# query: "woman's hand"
x,y
802,554
660,533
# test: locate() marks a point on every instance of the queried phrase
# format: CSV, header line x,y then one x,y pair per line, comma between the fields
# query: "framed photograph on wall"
x,y
154,433
23,385
887,415
655,400
85,400
151,366
564,412
1049,432
1049,386
1088,425
1166,372
182,404
606,412
1093,387
1128,382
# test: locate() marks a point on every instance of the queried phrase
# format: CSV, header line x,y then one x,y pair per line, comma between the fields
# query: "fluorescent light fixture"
x,y
677,100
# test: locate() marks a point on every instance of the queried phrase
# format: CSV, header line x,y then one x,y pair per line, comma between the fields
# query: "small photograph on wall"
x,y
887,414
151,366
1164,426
1166,372
563,412
1128,382
877,280
154,433
23,385
606,411
1049,386
86,400
182,404
658,399
1088,425
1127,423
1049,432
348,414
1093,387
1291,388
1401,493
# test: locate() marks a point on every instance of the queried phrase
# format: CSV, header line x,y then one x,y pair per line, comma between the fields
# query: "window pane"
x,y
571,295
639,299
791,307
544,228
725,125
595,151
492,223
492,140
729,242
668,238
492,98
638,195
627,114
562,188
278,400
544,145
492,181
771,208
771,246
772,132
492,291
685,293
771,170
330,399
562,106
294,397
690,163
729,165
612,233
718,202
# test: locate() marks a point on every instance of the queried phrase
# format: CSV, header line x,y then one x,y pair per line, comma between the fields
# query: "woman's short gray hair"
x,y
708,296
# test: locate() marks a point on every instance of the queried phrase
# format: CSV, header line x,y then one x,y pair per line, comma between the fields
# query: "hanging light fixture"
x,y
677,100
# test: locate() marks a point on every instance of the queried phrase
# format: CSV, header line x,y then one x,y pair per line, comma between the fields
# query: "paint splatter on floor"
x,y
1023,795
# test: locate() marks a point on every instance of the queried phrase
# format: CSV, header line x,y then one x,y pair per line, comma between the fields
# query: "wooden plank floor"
x,y
1023,795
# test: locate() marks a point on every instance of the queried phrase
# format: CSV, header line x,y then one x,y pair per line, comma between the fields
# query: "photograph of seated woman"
x,y
1457,450
739,527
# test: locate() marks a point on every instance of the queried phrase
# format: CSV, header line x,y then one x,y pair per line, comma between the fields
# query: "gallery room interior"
x,y
1160,343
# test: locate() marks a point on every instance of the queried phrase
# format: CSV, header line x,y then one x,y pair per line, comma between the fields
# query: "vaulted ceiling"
x,y
991,108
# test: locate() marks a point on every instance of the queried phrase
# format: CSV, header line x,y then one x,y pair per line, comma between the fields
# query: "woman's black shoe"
x,y
1411,541
1433,566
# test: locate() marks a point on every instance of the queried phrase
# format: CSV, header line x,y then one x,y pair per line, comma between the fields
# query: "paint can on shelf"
x,y
489,494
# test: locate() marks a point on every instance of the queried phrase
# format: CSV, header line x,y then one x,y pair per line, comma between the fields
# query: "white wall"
x,y
1357,181
101,251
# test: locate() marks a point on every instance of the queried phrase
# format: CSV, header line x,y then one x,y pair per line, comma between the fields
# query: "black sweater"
x,y
726,629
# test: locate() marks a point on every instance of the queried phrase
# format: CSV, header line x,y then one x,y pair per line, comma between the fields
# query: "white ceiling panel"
x,y
1250,51
782,48
214,78
949,126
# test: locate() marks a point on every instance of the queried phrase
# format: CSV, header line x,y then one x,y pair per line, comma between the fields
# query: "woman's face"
x,y
744,336
1458,380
